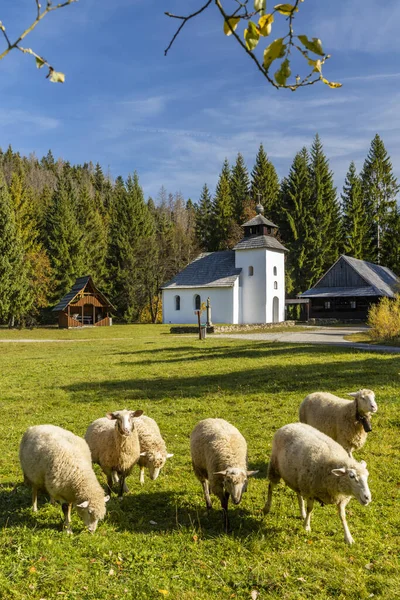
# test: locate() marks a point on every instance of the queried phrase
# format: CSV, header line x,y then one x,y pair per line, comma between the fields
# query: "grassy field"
x,y
159,541
365,338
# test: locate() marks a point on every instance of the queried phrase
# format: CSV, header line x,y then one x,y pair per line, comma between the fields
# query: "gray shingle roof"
x,y
210,269
78,286
259,220
260,241
328,292
380,277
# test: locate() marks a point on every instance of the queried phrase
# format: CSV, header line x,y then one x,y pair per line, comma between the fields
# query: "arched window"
x,y
177,303
197,302
275,285
251,271
275,271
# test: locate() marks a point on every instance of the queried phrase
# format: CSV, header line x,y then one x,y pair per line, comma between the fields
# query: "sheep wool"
x,y
316,468
153,451
58,462
345,421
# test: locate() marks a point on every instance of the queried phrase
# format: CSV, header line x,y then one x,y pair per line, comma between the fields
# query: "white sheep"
x,y
219,459
346,421
153,451
316,468
114,444
57,461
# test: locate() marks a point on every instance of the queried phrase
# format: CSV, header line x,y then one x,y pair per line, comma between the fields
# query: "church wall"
x,y
275,259
252,287
224,303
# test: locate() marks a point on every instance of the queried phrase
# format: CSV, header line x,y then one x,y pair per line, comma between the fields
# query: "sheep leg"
x,y
141,479
109,483
342,514
301,506
225,516
114,477
122,487
310,506
66,508
34,498
267,506
206,489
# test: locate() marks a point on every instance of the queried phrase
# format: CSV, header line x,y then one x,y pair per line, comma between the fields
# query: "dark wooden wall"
x,y
341,275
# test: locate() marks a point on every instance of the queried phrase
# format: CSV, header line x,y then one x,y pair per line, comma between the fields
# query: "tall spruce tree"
x,y
94,235
325,214
295,222
204,222
13,274
222,211
265,184
380,189
240,190
390,249
356,234
64,238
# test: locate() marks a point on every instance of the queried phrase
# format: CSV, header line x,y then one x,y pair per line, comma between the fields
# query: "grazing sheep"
x,y
316,468
153,451
346,421
115,445
57,461
219,459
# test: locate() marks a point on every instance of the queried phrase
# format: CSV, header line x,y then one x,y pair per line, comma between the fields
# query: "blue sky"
x,y
174,119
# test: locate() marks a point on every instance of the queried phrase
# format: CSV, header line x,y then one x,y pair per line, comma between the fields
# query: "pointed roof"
x,y
78,287
259,220
209,269
260,241
379,281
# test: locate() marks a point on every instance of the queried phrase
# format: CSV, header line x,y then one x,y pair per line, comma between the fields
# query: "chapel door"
x,y
275,309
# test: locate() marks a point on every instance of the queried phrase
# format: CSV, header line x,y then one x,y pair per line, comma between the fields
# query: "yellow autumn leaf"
x,y
275,50
265,25
332,84
251,36
233,24
164,592
285,9
56,76
317,64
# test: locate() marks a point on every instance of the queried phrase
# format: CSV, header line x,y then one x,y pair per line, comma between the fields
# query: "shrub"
x,y
384,318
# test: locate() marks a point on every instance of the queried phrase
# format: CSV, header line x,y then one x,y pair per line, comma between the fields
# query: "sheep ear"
x,y
363,463
84,504
106,498
339,472
169,455
111,416
222,473
354,394
136,413
143,454
251,473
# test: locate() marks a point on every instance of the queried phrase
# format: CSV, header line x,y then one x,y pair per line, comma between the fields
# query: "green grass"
x,y
178,381
365,338
271,330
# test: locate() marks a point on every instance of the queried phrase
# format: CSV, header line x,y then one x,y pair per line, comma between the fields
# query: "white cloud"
x,y
21,118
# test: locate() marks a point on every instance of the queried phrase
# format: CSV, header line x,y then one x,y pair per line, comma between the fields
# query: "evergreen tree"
x,y
94,236
204,222
240,190
325,214
222,211
64,238
295,223
390,249
265,184
13,275
356,234
380,189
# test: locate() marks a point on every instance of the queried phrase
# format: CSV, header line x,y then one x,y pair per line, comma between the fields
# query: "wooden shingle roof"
x,y
209,269
78,287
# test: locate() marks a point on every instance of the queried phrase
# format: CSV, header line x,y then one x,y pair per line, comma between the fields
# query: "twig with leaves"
x,y
41,12
261,27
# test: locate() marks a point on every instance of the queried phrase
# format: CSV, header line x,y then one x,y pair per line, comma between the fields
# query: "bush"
x,y
384,319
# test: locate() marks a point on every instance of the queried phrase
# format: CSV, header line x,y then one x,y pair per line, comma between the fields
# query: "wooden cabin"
x,y
84,306
349,288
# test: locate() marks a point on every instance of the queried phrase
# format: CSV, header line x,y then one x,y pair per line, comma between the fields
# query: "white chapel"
x,y
244,285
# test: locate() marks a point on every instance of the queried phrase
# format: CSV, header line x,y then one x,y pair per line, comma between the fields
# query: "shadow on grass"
x,y
16,509
166,511
305,377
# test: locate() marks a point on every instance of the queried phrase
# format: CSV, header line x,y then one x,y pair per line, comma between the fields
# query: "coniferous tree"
x,y
64,238
325,214
380,189
94,236
265,184
204,222
390,249
240,190
222,211
356,234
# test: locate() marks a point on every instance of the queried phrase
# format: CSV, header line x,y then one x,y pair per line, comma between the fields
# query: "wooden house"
x,y
84,306
348,289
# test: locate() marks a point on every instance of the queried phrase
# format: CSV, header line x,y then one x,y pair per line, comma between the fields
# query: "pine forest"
x,y
60,221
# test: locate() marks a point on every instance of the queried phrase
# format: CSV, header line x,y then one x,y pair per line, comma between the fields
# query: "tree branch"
x,y
184,21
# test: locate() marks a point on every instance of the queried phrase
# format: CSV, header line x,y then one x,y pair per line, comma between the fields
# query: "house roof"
x,y
260,241
79,285
259,220
379,281
210,269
